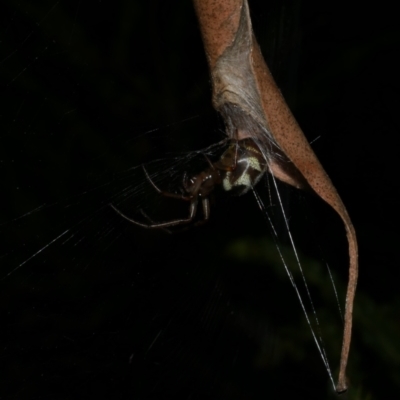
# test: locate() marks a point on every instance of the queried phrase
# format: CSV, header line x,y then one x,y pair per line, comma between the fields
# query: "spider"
x,y
239,169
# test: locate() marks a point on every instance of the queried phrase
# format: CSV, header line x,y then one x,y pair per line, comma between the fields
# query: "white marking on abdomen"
x,y
226,183
254,163
243,179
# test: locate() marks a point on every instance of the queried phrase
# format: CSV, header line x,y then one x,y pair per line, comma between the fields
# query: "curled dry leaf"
x,y
246,95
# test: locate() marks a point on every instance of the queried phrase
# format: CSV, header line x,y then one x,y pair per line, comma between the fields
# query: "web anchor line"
x,y
318,340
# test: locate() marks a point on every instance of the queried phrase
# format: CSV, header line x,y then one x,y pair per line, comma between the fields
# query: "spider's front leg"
x,y
161,225
192,198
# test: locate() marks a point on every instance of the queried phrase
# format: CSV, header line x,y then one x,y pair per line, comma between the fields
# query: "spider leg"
x,y
164,193
206,211
152,221
127,218
206,208
209,161
158,225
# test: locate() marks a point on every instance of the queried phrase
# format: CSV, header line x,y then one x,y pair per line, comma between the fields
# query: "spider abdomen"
x,y
248,169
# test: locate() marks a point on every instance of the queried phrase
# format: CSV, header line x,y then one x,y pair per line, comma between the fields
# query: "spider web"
x,y
92,301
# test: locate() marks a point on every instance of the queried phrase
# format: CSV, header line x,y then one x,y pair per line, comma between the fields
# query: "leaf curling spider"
x,y
238,169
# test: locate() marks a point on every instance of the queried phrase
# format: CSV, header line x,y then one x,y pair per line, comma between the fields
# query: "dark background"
x,y
91,89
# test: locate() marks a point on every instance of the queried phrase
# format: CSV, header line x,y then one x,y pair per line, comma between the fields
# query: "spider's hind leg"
x,y
206,212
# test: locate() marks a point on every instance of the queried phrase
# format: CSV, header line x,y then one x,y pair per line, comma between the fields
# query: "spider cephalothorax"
x,y
239,169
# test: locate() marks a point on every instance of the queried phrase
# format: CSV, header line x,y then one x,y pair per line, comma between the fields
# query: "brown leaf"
x,y
246,95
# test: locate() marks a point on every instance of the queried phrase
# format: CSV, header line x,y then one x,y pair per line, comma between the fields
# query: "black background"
x,y
91,89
